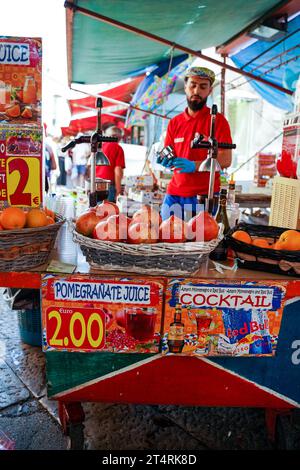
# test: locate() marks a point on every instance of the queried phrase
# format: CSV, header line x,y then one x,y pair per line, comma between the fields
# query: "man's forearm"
x,y
118,179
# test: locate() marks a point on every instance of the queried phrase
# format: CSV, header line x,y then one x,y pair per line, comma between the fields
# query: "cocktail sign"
x,y
211,318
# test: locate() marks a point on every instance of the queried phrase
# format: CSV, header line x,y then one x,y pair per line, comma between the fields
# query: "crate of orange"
x,y
266,248
27,237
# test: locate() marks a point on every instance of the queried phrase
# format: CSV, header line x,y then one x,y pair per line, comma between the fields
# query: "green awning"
x,y
102,53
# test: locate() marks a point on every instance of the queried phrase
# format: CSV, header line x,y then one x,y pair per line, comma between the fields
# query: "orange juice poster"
x,y
97,314
21,166
219,319
20,81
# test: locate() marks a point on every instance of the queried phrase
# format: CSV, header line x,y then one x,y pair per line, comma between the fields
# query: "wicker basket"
x,y
264,259
29,247
158,258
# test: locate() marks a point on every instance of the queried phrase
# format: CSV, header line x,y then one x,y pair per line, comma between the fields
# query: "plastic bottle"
x,y
66,247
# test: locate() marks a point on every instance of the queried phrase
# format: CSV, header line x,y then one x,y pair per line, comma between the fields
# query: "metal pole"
x,y
223,71
171,44
127,105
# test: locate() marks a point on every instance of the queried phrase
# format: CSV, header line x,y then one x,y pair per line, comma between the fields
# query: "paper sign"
x,y
217,319
21,166
20,81
83,313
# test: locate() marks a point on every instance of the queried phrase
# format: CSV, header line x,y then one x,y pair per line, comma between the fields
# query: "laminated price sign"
x,y
20,81
20,121
81,313
223,319
21,166
75,328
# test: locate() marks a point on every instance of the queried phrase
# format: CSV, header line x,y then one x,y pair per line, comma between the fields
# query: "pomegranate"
x,y
106,209
118,227
173,230
86,223
147,215
202,227
142,233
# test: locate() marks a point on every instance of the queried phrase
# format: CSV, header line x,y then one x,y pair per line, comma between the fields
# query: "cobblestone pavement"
x,y
29,419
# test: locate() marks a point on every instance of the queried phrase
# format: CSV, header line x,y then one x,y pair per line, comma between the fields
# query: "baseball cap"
x,y
202,72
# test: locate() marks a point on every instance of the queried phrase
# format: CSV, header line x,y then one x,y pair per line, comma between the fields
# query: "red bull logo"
x,y
247,328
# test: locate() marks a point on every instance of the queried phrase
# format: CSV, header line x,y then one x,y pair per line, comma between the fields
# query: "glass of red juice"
x,y
203,320
140,323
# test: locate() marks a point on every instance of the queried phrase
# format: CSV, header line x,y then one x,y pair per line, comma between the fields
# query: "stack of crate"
x,y
264,168
285,203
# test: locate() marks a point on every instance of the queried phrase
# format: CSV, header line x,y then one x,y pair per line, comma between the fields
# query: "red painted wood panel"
x,y
177,380
25,280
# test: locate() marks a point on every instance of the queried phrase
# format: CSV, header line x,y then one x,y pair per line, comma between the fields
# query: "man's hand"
x,y
185,165
166,162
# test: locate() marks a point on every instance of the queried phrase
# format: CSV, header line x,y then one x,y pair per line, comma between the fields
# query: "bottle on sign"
x,y
176,332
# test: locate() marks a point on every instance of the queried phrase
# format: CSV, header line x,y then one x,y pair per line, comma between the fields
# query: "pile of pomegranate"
x,y
105,222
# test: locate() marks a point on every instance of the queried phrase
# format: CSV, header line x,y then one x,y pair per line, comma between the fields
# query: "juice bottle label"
x,y
176,333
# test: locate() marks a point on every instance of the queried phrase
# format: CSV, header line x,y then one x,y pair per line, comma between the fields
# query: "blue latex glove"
x,y
166,162
185,165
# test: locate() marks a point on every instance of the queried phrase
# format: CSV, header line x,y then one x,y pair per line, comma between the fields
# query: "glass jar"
x,y
29,90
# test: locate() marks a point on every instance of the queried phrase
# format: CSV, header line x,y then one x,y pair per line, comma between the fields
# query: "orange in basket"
x,y
50,220
36,218
13,218
261,243
242,236
288,240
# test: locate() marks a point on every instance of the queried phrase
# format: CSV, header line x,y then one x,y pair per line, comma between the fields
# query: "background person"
x,y
116,157
80,155
187,182
51,166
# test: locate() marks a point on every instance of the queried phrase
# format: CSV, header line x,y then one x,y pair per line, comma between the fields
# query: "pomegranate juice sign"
x,y
20,81
240,319
21,166
96,314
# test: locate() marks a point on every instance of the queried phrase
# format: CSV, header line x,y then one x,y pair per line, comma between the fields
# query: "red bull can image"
x,y
248,330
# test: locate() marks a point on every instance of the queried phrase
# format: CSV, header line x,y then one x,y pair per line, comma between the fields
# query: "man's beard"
x,y
196,105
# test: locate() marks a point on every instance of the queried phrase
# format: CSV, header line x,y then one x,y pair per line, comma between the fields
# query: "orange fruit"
x,y
49,212
13,111
242,236
289,240
13,218
261,242
50,220
36,218
27,113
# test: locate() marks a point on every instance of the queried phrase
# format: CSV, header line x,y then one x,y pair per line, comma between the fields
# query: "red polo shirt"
x,y
115,155
180,133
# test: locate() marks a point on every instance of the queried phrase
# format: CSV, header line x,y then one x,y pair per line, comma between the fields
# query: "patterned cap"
x,y
202,72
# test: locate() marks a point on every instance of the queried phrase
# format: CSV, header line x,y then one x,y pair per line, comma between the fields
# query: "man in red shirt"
x,y
115,154
187,182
